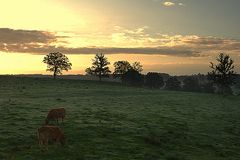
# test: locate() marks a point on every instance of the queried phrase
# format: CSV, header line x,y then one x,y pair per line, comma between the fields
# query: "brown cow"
x,y
55,114
50,133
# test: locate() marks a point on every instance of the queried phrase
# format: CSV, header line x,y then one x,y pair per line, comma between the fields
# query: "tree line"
x,y
100,67
221,77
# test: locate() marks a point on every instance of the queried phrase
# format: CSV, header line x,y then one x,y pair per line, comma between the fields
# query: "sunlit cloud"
x,y
120,41
181,4
168,4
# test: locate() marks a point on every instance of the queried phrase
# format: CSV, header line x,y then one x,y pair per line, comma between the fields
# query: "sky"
x,y
178,37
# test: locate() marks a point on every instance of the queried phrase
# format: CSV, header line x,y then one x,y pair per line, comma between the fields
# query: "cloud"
x,y
132,41
172,51
12,40
211,43
11,36
203,40
181,4
36,49
168,4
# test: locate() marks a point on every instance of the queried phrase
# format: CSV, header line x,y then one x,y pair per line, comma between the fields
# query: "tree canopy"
x,y
191,84
56,63
99,66
121,67
223,73
133,77
173,84
154,80
137,67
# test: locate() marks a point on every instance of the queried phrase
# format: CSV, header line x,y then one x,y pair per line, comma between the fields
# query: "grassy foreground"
x,y
108,121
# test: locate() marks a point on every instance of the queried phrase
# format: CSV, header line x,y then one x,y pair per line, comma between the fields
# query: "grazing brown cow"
x,y
55,114
50,133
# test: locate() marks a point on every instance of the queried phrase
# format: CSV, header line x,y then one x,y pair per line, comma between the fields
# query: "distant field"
x,y
108,121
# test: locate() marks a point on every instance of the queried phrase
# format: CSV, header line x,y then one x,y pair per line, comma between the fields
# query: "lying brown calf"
x,y
50,133
55,114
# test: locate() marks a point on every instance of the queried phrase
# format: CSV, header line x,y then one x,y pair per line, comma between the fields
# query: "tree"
x,y
223,73
173,84
56,63
208,87
133,77
137,67
191,84
237,84
154,80
121,67
99,66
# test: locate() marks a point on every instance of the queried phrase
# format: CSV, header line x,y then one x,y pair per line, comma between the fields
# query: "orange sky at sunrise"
x,y
164,38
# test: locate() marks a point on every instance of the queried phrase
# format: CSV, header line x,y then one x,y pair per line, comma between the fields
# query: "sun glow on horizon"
x,y
23,63
164,37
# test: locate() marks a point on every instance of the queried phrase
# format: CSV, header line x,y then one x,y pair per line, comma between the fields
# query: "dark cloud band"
x,y
11,36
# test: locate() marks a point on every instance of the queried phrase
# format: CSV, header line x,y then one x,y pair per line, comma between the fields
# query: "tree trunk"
x,y
55,73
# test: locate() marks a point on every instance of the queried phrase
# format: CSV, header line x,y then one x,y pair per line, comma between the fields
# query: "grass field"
x,y
108,121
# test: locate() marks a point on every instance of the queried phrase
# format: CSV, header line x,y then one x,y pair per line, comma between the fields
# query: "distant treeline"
x,y
188,83
221,79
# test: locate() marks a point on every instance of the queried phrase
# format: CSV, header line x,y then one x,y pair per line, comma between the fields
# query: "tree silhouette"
x,y
154,80
120,68
99,66
137,67
191,84
133,77
56,63
173,84
207,87
237,80
223,73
